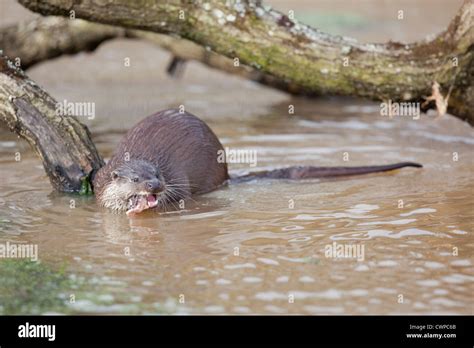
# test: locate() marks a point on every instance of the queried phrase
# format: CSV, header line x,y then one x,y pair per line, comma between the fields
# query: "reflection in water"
x,y
255,247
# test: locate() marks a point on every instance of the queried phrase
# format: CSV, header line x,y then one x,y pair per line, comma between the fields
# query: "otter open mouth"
x,y
141,202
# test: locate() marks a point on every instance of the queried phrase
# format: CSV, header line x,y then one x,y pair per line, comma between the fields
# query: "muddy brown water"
x,y
259,247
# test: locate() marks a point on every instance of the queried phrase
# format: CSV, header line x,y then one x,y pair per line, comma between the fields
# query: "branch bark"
x,y
62,142
297,55
40,39
32,42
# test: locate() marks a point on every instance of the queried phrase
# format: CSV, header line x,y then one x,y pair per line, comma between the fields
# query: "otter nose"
x,y
153,185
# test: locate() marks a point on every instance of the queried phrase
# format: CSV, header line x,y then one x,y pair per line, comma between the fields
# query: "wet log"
x,y
43,38
64,144
298,55
31,42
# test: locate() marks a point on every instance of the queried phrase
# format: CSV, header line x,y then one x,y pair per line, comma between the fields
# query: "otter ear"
x,y
114,175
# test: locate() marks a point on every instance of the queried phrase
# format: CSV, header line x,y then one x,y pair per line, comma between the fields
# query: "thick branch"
x,y
46,38
188,50
297,54
63,143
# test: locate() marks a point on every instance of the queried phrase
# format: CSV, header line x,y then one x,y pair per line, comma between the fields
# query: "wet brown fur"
x,y
182,146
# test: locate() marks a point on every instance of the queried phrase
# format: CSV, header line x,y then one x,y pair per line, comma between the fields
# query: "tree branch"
x,y
62,142
32,42
299,55
49,37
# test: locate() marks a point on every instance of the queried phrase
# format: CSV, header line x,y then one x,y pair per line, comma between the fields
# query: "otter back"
x,y
182,146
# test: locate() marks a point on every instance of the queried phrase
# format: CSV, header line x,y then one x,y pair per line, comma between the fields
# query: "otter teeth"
x,y
152,201
139,203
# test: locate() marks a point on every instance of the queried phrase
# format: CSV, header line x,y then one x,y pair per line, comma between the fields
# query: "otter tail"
x,y
308,172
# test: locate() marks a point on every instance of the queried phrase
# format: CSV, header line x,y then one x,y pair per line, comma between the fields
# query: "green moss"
x,y
28,287
86,187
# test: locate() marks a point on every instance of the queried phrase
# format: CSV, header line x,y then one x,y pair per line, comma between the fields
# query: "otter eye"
x,y
135,179
114,175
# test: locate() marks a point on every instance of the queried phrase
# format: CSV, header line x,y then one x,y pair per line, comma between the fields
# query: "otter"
x,y
172,155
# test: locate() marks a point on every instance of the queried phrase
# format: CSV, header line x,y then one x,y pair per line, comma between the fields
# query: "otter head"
x,y
134,186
